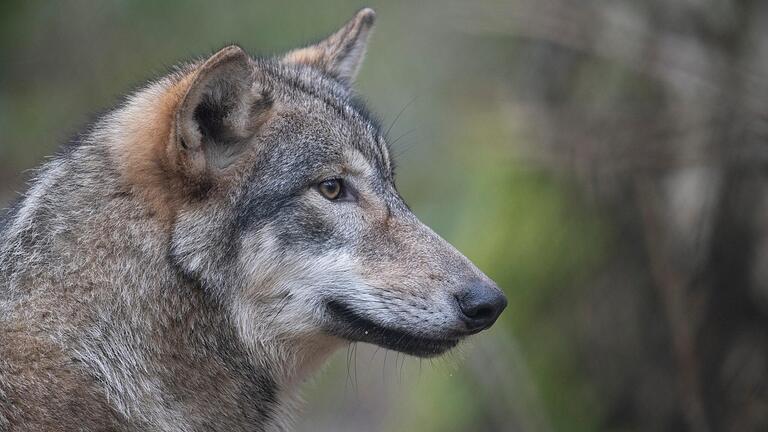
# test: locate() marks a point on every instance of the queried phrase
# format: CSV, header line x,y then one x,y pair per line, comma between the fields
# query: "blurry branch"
x,y
672,286
659,109
615,31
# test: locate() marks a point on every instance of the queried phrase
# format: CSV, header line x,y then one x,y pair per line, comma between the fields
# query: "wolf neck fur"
x,y
139,305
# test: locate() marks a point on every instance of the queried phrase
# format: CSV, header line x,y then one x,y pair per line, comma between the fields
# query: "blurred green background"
x,y
566,149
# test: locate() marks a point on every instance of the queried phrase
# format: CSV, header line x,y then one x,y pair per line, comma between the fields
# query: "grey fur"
x,y
202,300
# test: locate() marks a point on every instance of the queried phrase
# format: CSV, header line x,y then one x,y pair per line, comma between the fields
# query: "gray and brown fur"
x,y
178,270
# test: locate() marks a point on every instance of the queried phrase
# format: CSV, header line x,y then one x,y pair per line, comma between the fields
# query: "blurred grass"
x,y
461,169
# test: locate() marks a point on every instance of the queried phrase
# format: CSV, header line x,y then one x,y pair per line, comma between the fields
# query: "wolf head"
x,y
278,193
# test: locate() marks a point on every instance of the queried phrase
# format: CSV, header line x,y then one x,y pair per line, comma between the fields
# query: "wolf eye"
x,y
331,189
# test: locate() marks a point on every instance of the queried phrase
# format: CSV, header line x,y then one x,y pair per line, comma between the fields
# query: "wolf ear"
x,y
223,107
341,54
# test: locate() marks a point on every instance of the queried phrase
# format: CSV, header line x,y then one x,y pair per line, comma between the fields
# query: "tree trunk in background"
x,y
660,108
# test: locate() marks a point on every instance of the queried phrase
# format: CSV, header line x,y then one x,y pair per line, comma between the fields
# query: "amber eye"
x,y
331,189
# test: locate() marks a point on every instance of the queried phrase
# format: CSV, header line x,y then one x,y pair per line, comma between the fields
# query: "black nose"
x,y
480,304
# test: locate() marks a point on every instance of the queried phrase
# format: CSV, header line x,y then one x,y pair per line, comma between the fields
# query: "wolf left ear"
x,y
222,108
341,54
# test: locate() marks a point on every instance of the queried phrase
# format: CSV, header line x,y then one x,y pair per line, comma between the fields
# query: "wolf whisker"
x,y
397,117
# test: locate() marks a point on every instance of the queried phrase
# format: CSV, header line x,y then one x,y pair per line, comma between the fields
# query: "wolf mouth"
x,y
356,328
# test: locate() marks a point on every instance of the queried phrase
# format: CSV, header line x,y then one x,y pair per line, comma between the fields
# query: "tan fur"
x,y
34,364
145,160
152,158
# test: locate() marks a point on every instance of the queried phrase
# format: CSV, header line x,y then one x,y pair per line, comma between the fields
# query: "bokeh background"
x,y
604,161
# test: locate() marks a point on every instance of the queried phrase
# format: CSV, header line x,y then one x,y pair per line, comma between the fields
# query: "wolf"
x,y
204,247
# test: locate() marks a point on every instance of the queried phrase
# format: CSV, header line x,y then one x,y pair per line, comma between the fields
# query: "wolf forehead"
x,y
324,113
318,123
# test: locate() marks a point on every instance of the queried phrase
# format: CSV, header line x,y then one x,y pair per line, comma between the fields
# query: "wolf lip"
x,y
354,327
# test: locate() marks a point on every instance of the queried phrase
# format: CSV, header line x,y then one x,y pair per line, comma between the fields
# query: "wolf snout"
x,y
480,305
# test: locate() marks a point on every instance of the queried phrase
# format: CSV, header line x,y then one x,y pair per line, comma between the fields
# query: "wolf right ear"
x,y
341,54
223,107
